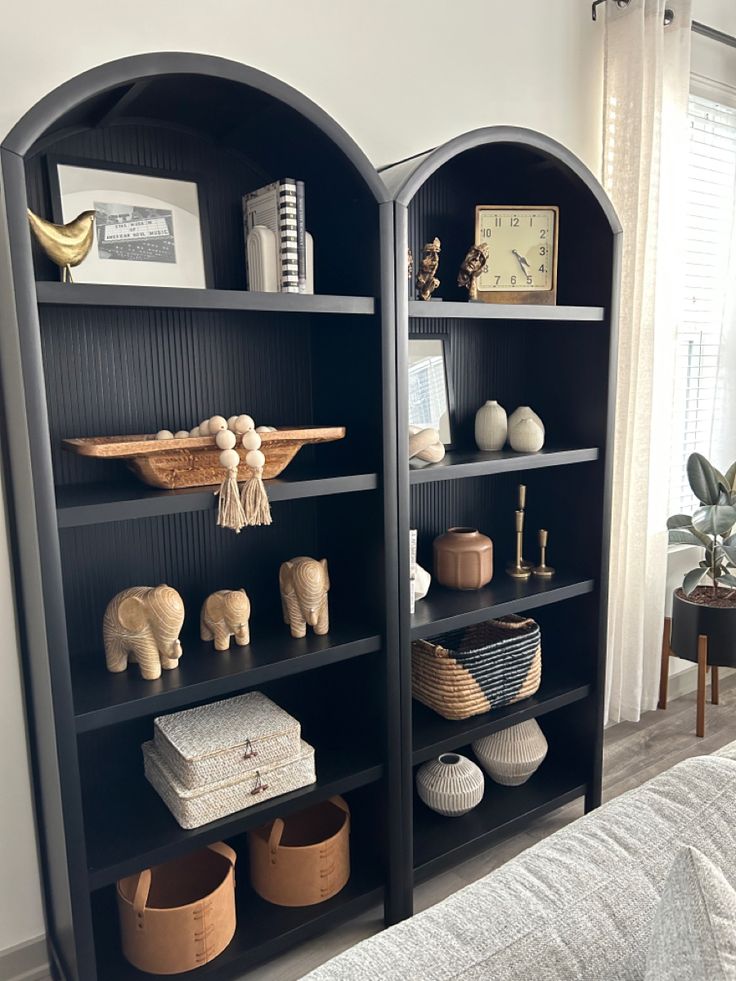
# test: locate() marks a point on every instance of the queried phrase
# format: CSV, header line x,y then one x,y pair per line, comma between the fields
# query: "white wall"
x,y
399,76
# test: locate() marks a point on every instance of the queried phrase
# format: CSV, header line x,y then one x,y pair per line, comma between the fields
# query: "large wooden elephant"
x,y
304,584
143,624
225,614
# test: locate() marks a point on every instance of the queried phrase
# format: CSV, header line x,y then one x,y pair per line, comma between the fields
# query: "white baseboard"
x,y
28,961
686,681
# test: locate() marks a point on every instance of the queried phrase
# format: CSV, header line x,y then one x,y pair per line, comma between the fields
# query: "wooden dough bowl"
x,y
195,462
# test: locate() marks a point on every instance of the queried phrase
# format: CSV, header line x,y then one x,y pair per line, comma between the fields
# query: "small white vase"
x,y
511,756
526,432
491,426
451,785
520,412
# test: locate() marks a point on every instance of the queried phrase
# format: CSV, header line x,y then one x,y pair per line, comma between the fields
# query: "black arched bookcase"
x,y
560,360
103,359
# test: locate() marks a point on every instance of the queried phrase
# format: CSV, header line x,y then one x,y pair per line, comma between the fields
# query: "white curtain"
x,y
644,156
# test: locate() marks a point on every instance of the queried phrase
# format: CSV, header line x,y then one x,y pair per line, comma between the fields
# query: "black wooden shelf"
x,y
433,735
102,698
93,295
130,828
97,503
263,929
475,463
440,841
447,609
444,310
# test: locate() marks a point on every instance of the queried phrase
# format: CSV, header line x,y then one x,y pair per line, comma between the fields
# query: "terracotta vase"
x,y
451,785
463,559
491,427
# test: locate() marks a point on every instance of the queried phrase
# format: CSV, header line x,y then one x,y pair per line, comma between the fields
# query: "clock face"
x,y
521,248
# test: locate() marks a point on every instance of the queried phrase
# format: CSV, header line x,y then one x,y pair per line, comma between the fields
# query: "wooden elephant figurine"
x,y
143,624
304,584
225,614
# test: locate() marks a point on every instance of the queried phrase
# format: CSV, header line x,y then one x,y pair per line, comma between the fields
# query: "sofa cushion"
x,y
694,930
578,905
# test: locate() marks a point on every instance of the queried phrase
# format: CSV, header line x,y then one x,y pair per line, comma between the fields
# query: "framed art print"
x,y
148,226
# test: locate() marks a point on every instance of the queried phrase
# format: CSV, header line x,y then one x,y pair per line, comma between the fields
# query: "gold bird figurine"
x,y
66,245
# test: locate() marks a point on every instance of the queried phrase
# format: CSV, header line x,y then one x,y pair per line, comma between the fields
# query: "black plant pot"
x,y
717,623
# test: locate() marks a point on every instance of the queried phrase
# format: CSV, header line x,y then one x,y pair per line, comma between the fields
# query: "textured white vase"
x,y
526,430
491,426
452,784
511,756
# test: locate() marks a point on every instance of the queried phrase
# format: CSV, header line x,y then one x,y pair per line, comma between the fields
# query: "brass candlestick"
x,y
516,570
524,563
543,570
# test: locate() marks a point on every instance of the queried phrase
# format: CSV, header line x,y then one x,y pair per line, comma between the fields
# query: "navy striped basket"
x,y
483,667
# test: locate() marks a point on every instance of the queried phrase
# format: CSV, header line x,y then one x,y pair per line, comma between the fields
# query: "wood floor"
x,y
634,752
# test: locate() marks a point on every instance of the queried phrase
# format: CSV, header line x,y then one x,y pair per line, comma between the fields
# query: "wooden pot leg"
x,y
664,671
714,693
702,672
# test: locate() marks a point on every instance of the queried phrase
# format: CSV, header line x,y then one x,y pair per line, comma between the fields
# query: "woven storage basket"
x,y
305,859
195,807
180,915
226,739
483,667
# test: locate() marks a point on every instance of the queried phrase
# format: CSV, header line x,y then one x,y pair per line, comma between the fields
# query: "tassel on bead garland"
x,y
230,512
254,498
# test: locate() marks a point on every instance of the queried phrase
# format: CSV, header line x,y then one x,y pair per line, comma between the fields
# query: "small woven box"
x,y
226,740
193,808
471,671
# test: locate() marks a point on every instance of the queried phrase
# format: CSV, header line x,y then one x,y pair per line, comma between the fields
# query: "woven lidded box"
x,y
194,807
471,671
226,740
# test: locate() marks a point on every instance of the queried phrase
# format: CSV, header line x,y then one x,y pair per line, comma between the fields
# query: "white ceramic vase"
x,y
526,430
511,756
491,426
451,785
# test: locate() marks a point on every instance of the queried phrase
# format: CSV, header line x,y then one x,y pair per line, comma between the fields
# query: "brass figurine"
x,y
471,268
66,245
516,570
524,563
409,263
543,570
427,282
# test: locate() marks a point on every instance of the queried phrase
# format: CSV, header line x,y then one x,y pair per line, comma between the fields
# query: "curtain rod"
x,y
696,27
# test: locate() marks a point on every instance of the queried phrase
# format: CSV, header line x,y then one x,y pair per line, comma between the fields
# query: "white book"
x,y
275,207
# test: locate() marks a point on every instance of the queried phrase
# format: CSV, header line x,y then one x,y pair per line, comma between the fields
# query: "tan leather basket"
x,y
179,915
305,859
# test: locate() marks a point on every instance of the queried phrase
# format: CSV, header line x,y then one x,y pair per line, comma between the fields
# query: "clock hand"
x,y
525,268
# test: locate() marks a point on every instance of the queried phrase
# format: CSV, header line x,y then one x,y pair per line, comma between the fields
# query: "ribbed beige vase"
x,y
511,756
452,784
491,427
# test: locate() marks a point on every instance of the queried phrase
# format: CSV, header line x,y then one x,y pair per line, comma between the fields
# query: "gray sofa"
x,y
579,905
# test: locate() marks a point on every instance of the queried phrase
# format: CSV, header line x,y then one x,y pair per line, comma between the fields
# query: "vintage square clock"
x,y
522,253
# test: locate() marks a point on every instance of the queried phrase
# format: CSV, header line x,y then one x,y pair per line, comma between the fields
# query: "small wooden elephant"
x,y
304,585
225,614
143,624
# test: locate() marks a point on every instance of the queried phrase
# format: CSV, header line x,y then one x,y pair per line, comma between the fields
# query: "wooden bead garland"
x,y
235,510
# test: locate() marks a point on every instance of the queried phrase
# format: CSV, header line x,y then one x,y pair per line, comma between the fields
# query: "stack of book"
x,y
277,243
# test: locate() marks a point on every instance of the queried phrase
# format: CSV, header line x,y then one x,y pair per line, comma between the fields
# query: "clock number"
x,y
498,221
543,233
543,250
529,280
513,280
542,268
486,232
514,222
498,280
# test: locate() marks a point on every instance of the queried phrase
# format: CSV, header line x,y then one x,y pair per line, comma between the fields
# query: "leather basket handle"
x,y
220,848
274,839
142,889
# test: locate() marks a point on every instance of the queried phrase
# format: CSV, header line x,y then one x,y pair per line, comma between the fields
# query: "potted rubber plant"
x,y
705,604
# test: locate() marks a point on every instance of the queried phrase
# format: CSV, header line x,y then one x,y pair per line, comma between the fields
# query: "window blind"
x,y
710,203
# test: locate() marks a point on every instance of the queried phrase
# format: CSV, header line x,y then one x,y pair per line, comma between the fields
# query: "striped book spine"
x,y
301,236
288,239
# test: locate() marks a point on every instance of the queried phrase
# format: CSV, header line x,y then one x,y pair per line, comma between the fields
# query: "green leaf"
x,y
683,536
731,476
727,580
692,580
679,521
703,479
729,551
715,519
